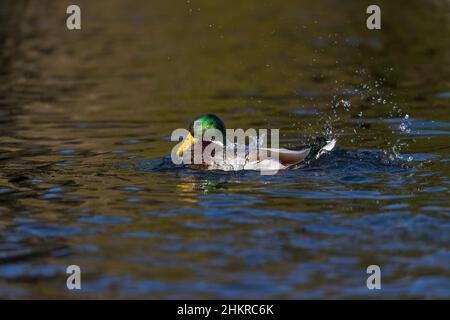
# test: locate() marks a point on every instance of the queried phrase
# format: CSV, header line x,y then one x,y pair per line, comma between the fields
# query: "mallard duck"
x,y
251,159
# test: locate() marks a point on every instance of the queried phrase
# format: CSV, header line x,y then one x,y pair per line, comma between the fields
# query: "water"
x,y
85,124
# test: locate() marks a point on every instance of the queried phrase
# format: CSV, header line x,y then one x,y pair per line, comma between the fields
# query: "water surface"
x,y
86,118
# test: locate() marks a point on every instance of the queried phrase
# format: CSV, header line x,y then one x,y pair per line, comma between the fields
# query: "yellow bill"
x,y
187,143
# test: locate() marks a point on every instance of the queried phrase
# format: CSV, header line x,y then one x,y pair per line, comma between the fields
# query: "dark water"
x,y
86,118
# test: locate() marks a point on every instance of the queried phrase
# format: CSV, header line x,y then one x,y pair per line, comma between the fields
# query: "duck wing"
x,y
285,156
290,157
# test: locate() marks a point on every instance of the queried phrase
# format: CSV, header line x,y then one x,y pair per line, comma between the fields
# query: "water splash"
x,y
372,97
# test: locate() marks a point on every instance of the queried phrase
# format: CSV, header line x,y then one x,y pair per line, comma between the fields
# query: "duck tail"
x,y
321,146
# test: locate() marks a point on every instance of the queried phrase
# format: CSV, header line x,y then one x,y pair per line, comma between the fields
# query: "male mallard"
x,y
252,159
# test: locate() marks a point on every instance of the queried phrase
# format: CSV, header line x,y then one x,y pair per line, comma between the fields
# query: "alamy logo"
x,y
374,20
73,21
374,280
74,280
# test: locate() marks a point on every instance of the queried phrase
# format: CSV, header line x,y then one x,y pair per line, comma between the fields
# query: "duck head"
x,y
198,127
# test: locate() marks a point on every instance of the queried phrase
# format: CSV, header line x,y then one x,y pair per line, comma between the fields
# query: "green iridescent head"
x,y
205,122
199,126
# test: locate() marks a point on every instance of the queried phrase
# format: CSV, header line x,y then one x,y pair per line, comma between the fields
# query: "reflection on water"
x,y
85,124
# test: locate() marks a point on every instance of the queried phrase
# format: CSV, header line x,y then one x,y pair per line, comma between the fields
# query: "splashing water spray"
x,y
369,92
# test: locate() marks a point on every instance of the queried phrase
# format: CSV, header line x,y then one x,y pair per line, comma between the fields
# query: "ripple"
x,y
51,231
5,190
132,141
130,188
66,163
434,189
105,219
68,152
227,200
445,95
24,271
141,234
